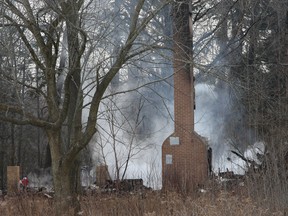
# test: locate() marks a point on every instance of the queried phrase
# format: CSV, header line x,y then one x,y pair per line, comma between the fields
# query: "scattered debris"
x,y
202,190
227,174
125,185
48,196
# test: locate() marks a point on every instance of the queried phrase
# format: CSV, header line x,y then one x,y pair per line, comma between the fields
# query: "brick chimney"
x,y
184,153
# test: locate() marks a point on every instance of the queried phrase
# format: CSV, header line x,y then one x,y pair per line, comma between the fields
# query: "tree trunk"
x,y
65,197
13,146
63,177
48,162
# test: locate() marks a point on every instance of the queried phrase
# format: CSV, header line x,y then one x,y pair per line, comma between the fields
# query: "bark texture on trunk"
x,y
64,181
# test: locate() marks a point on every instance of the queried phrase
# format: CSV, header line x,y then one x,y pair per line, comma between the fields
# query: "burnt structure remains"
x,y
125,185
184,153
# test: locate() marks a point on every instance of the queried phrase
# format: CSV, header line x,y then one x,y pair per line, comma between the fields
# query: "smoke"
x,y
133,126
41,178
211,109
220,118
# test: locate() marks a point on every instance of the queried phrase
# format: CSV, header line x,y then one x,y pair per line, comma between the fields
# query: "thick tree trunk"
x,y
65,197
66,201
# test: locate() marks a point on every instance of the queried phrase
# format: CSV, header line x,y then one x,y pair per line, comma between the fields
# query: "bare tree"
x,y
40,27
121,139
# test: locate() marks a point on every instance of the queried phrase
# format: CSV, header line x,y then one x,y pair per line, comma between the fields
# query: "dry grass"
x,y
148,204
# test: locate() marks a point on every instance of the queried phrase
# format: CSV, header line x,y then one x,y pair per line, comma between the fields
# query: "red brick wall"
x,y
189,166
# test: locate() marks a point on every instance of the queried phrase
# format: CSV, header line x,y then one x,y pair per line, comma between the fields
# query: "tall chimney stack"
x,y
184,153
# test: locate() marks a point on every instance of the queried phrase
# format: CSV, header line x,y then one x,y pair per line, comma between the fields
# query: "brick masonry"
x,y
102,175
13,178
184,163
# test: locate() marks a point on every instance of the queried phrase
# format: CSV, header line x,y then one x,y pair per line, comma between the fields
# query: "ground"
x,y
144,203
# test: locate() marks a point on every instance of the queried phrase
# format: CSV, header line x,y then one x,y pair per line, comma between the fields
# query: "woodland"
x,y
87,82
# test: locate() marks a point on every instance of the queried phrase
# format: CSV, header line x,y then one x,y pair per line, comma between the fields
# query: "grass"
x,y
151,203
